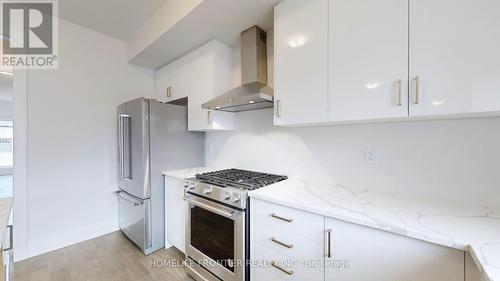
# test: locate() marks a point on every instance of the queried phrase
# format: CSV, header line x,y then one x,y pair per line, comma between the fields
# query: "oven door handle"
x,y
229,215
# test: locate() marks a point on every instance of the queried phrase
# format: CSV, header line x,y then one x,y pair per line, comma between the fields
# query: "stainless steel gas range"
x,y
217,224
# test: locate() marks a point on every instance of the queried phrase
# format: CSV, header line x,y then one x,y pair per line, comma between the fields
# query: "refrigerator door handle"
x,y
131,201
124,145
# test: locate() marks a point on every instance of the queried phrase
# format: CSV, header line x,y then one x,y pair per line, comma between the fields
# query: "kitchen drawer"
x,y
287,243
289,219
262,270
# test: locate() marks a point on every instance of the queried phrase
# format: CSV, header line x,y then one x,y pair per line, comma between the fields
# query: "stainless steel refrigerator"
x,y
152,137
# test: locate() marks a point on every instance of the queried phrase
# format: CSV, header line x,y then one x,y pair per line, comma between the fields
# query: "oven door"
x,y
215,238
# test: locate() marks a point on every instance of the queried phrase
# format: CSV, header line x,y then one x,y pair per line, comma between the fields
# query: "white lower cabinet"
x,y
285,242
289,244
282,267
472,273
175,213
363,253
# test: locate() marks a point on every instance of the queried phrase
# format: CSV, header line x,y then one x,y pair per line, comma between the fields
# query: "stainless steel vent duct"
x,y
254,92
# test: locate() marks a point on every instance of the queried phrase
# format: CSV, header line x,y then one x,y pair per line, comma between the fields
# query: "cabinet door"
x,y
207,120
171,83
362,253
368,59
454,58
301,62
163,80
175,213
200,75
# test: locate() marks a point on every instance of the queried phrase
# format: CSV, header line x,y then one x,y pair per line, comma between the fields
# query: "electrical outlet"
x,y
370,156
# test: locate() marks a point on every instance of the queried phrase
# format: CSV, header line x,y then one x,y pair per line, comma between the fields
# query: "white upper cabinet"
x,y
341,61
301,62
368,52
454,52
171,82
200,76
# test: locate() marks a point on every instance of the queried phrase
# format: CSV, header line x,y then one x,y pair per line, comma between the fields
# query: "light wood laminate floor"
x,y
110,257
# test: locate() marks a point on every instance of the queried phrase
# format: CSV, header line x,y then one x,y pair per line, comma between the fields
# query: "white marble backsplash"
x,y
448,159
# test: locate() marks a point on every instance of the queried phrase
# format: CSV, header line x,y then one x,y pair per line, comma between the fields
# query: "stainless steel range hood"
x,y
254,92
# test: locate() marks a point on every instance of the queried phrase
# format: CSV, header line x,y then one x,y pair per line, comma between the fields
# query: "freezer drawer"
x,y
135,219
8,265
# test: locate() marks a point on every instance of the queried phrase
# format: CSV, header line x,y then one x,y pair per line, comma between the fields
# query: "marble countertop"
x,y
5,210
471,228
187,173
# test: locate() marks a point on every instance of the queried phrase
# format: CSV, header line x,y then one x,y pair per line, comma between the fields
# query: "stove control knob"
x,y
192,185
236,197
208,190
227,195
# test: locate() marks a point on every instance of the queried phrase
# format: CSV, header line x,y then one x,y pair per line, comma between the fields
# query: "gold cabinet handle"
x,y
209,117
287,271
169,92
281,218
399,92
278,108
417,90
286,245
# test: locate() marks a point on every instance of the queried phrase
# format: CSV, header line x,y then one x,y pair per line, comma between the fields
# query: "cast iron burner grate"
x,y
240,178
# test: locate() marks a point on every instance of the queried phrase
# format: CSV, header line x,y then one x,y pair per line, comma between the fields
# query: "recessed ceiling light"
x,y
251,102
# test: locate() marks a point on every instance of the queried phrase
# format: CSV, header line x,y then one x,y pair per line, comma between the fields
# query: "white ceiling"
x,y
213,19
6,93
116,18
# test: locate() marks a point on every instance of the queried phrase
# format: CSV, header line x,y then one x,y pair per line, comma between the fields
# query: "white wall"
x,y
71,138
454,159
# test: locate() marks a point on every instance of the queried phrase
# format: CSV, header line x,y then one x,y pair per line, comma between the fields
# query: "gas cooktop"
x,y
239,178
